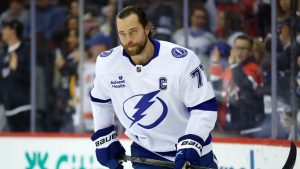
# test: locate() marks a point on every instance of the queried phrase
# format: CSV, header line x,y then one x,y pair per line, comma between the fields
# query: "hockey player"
x,y
160,94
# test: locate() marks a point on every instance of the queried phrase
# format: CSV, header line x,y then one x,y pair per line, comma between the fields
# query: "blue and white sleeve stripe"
x,y
94,99
209,105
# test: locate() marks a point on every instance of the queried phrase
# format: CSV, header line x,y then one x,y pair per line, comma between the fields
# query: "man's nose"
x,y
128,40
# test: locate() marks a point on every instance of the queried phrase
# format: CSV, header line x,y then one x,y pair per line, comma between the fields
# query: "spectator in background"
x,y
74,9
72,23
247,78
50,18
108,16
65,91
229,26
220,31
286,117
96,45
219,69
92,27
284,81
259,51
284,9
200,39
242,105
283,61
162,15
15,75
233,27
212,11
262,56
246,10
219,54
16,11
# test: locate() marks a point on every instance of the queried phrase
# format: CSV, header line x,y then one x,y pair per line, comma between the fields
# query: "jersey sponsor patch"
x,y
179,52
120,83
106,53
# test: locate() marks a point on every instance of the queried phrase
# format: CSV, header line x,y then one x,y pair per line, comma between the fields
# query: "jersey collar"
x,y
156,45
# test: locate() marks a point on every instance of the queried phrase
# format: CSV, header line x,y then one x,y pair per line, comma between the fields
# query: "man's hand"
x,y
216,58
108,147
189,151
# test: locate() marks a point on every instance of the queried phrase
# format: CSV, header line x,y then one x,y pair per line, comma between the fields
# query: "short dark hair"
x,y
16,25
142,17
247,38
198,6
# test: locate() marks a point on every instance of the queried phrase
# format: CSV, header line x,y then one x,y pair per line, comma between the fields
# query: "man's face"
x,y
198,19
132,34
15,7
72,24
284,35
72,40
241,50
285,5
74,8
6,32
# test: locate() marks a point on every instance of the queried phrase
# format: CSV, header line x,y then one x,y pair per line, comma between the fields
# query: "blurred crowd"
x,y
232,38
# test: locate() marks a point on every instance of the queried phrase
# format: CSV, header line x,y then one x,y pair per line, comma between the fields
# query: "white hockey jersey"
x,y
158,102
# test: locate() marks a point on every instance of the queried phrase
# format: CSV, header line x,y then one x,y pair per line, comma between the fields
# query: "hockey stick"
x,y
290,162
168,164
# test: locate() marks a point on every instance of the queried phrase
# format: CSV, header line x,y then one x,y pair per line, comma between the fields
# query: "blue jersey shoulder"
x,y
106,53
178,52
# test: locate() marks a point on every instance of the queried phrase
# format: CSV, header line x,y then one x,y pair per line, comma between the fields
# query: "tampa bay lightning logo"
x,y
179,52
106,53
145,110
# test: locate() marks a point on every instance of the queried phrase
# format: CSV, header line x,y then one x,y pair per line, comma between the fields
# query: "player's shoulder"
x,y
106,58
176,52
110,53
179,58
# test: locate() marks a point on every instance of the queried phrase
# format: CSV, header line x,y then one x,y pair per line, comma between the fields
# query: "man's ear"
x,y
147,29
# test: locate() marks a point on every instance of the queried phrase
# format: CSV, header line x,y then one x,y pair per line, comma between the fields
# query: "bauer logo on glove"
x,y
102,140
190,144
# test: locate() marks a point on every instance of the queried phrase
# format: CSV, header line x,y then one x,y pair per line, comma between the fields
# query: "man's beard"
x,y
135,48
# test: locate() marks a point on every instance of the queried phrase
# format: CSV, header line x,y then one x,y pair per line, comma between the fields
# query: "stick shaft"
x,y
168,164
290,162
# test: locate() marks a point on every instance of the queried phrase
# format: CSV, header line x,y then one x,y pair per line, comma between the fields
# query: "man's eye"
x,y
133,31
